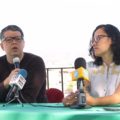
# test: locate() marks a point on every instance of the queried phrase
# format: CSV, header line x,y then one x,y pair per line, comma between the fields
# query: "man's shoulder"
x,y
3,63
33,57
2,58
33,60
90,64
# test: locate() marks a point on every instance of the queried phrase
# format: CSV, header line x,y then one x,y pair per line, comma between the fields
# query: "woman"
x,y
104,72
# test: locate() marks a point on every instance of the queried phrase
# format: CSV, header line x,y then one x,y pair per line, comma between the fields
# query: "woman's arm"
x,y
106,100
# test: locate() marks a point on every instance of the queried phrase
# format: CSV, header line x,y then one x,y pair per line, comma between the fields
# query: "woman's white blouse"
x,y
103,80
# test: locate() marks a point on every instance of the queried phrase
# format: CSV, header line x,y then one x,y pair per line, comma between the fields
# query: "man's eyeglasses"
x,y
11,39
98,38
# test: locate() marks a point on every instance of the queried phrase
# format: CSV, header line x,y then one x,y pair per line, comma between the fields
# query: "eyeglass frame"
x,y
10,39
98,38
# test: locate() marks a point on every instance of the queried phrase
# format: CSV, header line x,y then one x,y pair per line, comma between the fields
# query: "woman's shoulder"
x,y
90,64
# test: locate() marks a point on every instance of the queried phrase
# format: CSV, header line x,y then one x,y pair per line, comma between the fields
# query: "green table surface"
x,y
56,111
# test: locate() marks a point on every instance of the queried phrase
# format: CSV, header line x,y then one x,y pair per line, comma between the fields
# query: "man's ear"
x,y
1,44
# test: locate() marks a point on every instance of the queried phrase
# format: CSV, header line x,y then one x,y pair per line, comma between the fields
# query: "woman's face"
x,y
101,43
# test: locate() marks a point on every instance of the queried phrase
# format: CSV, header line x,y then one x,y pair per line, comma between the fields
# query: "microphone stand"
x,y
16,97
16,62
81,94
81,103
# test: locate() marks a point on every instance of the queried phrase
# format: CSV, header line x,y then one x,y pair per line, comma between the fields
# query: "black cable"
x,y
33,104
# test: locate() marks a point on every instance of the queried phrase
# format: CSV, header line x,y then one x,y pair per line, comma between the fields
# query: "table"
x,y
56,111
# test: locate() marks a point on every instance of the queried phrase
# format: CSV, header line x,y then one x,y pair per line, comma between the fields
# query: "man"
x,y
12,42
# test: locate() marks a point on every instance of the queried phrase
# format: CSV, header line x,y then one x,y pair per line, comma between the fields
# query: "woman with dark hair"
x,y
104,72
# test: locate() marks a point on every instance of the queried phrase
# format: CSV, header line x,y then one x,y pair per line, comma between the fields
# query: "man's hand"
x,y
7,80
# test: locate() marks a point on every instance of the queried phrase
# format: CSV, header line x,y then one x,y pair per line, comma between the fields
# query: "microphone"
x,y
79,75
16,62
16,83
80,72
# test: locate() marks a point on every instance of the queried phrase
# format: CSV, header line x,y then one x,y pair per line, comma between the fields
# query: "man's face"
x,y
12,43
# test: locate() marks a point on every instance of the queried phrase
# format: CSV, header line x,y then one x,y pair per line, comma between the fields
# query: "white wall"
x,y
58,30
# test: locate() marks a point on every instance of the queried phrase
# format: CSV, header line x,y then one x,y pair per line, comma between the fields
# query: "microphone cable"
x,y
57,105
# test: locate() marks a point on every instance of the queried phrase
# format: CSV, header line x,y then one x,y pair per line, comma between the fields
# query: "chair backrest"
x,y
54,95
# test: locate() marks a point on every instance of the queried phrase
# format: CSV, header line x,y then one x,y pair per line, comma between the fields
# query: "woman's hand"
x,y
90,100
70,99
